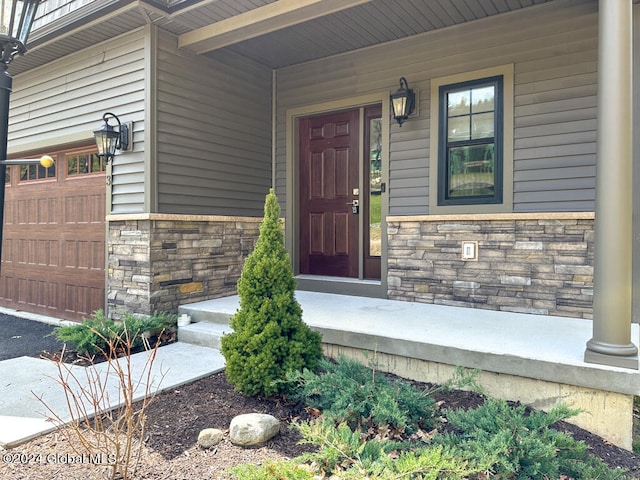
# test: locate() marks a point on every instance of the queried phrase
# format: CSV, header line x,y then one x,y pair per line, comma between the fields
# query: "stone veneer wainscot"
x,y
158,261
527,263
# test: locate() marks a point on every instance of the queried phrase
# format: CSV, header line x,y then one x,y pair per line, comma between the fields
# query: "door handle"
x,y
355,206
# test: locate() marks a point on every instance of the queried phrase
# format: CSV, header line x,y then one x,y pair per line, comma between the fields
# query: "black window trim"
x,y
498,140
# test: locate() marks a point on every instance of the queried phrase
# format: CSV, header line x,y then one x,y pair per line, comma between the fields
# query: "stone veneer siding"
x,y
157,262
527,263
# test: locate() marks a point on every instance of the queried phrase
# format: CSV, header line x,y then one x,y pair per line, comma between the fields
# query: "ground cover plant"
x,y
93,336
393,430
350,392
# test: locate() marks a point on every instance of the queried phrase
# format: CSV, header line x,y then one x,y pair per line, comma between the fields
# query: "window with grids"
x,y
35,171
84,163
470,146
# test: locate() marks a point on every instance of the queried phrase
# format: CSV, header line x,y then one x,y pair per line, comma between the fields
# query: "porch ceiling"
x,y
276,33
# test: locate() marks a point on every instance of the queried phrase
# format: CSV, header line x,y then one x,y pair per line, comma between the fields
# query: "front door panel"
x,y
328,188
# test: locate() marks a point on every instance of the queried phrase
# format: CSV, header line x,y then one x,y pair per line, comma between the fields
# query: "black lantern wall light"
x,y
403,102
108,139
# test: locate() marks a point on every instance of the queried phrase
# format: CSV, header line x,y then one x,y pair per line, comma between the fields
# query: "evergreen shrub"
x,y
269,337
512,442
350,392
94,335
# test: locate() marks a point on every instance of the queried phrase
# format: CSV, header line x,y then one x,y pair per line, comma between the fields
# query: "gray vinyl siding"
x,y
64,101
554,51
213,133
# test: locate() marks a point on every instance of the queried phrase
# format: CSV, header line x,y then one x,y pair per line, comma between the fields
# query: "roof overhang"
x,y
255,23
276,33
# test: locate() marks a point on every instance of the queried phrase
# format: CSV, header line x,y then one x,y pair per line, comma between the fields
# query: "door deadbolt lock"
x,y
355,206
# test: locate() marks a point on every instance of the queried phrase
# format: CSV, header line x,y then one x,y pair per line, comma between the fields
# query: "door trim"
x,y
347,286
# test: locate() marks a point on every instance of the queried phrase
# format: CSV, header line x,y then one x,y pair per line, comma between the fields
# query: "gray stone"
x,y
209,437
252,429
514,280
467,285
528,246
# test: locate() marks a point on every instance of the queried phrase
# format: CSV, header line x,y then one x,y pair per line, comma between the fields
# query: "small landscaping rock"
x,y
252,429
209,437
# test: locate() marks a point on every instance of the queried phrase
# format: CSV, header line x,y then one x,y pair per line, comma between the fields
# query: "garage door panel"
x,y
84,255
35,293
82,209
53,258
80,300
47,208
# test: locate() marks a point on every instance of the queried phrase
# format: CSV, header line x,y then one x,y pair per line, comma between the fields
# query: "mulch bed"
x,y
176,417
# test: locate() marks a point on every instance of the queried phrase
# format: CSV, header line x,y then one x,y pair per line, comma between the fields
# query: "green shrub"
x,y
511,442
350,455
270,470
269,337
495,440
98,333
348,391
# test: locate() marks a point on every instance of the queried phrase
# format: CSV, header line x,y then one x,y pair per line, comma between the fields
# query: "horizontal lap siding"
x,y
553,49
555,125
214,133
66,100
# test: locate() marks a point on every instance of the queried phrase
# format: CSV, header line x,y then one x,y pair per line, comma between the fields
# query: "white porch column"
x,y
611,343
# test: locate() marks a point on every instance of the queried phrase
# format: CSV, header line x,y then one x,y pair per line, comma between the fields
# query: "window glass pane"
x,y
51,171
471,171
42,172
375,182
24,174
7,178
32,172
72,165
482,99
95,163
459,103
458,128
84,164
483,125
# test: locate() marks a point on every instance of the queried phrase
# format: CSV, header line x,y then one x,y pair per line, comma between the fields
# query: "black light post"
x,y
16,20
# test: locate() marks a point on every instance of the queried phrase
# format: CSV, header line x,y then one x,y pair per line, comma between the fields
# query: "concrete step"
x,y
207,325
202,315
203,333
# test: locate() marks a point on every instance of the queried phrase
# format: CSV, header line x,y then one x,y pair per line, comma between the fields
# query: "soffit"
x,y
363,25
378,21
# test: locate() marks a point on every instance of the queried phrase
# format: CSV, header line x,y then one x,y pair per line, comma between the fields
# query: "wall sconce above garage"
x,y
108,139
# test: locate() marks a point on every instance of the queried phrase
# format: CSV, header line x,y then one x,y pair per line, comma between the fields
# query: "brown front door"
x,y
328,186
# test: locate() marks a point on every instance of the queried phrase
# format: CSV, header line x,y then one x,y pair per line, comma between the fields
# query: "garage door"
x,y
53,255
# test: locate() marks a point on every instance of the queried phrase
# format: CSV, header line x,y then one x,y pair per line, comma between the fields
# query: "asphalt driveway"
x,y
21,337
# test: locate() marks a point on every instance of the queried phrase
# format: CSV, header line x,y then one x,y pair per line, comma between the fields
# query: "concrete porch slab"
x,y
533,346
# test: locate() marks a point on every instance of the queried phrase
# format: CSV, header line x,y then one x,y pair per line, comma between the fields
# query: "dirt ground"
x,y
176,417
